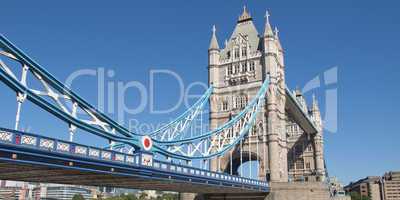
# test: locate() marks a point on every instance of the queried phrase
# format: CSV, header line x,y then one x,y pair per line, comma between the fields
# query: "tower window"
x,y
308,165
237,68
237,54
244,67
241,101
252,66
224,105
229,70
244,51
237,102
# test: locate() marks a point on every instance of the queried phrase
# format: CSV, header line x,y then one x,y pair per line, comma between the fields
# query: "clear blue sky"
x,y
360,37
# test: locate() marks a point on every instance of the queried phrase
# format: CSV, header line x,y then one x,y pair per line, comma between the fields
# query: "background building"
x,y
63,192
14,190
391,186
386,187
367,187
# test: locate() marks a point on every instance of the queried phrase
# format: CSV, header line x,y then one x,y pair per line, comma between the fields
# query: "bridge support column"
x,y
273,146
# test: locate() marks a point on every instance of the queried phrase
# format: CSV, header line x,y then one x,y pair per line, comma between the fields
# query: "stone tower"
x,y
237,71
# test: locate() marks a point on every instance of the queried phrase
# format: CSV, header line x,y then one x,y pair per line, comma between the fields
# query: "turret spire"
x,y
214,42
315,106
268,30
315,112
278,42
276,31
245,16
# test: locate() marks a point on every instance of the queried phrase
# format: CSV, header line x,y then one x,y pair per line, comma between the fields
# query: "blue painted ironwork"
x,y
107,127
22,142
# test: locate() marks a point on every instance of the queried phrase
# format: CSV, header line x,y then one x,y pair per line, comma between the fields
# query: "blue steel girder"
x,y
100,124
203,146
20,149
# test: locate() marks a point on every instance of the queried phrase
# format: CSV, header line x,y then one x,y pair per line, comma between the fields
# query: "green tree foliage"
x,y
168,196
78,197
357,196
124,197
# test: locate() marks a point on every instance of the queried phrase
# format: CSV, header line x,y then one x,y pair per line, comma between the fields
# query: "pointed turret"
x,y
315,112
278,42
318,141
314,103
268,29
213,59
245,16
214,42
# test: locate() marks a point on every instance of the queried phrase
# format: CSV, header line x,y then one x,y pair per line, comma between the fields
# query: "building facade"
x,y
277,142
391,186
386,187
61,192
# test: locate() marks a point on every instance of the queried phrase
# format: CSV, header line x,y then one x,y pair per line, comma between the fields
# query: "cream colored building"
x,y
391,186
236,71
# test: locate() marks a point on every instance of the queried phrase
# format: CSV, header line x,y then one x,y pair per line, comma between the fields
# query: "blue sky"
x,y
359,37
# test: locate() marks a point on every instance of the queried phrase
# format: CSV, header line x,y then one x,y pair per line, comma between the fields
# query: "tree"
x,y
143,196
78,197
124,197
168,196
357,196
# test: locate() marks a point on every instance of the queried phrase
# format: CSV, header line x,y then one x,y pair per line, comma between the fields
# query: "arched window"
x,y
237,68
244,67
243,101
224,105
252,65
240,101
237,102
237,52
244,51
230,70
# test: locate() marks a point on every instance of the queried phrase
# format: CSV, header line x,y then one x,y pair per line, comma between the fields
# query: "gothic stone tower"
x,y
236,72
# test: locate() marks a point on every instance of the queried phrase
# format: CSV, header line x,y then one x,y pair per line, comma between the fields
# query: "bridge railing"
x,y
142,159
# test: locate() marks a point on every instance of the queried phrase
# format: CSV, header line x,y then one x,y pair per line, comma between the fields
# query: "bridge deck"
x,y
23,162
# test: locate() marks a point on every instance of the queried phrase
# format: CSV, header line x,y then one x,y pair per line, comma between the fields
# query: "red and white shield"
x,y
147,143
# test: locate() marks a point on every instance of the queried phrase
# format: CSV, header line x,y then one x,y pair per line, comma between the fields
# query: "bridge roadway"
x,y
34,158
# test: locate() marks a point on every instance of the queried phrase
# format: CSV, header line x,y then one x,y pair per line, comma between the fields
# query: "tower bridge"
x,y
254,116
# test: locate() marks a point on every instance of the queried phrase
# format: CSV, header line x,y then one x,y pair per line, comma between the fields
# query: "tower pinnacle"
x,y
268,30
276,32
314,103
267,15
214,42
245,16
